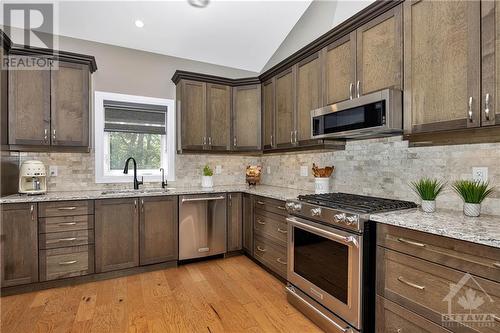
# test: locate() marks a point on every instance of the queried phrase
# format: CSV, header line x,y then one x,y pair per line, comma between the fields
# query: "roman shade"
x,y
134,117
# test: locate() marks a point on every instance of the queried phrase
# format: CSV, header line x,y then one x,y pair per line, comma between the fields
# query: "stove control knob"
x,y
290,206
350,220
297,207
316,211
339,217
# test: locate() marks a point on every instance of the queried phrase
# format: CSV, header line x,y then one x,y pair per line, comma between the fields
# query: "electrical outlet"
x,y
268,170
218,169
480,174
303,170
53,170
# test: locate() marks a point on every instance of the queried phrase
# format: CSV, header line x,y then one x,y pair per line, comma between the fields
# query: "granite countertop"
x,y
275,192
484,229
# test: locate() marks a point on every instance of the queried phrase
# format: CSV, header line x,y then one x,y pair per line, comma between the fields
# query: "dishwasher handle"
x,y
203,199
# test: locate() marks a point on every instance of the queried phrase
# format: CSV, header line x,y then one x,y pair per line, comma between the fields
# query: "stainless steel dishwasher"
x,y
202,225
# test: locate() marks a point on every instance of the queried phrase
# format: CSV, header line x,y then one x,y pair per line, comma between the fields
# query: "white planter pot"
x,y
322,185
471,209
429,206
207,181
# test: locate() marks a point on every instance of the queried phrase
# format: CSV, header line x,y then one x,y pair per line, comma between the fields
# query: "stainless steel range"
x,y
331,258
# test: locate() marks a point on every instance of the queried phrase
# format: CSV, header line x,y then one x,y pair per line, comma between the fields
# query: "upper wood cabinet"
x,y
442,65
246,117
191,108
19,244
285,109
268,107
69,113
219,116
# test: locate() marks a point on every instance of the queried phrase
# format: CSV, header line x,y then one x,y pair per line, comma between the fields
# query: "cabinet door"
x,y
380,53
268,110
19,244
158,230
219,116
490,40
193,115
308,95
116,234
234,222
442,65
70,105
29,106
340,69
285,109
248,223
246,118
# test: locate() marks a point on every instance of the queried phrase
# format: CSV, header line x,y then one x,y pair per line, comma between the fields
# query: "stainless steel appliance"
x,y
372,115
331,250
202,225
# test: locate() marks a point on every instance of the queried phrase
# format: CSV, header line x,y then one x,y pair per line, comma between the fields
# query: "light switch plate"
x,y
480,174
218,169
53,170
303,170
268,170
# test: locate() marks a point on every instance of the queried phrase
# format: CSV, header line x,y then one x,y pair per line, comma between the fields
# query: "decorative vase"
x,y
472,209
207,181
322,185
429,206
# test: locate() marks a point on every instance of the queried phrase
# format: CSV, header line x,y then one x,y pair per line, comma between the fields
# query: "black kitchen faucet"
x,y
125,171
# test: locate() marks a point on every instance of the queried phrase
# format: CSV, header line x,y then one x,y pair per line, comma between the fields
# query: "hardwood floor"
x,y
223,295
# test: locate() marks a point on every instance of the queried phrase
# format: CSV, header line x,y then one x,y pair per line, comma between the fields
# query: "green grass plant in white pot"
x,y
472,193
428,189
207,178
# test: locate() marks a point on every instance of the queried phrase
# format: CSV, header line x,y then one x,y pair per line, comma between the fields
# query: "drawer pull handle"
x,y
67,223
71,262
496,264
411,284
66,208
67,239
281,261
281,207
495,318
261,249
282,231
259,221
406,241
260,202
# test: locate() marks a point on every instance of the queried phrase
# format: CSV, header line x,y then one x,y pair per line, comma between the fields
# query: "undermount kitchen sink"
x,y
148,190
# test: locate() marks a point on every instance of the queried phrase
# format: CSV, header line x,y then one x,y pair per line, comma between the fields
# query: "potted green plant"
x,y
428,189
472,193
207,179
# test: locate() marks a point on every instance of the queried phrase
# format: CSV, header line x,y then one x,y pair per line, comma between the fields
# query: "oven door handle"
x,y
346,239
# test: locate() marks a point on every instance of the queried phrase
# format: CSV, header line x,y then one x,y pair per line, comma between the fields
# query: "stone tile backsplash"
x,y
381,167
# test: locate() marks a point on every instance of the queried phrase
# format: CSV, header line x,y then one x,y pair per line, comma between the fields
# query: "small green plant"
x,y
472,191
427,188
207,171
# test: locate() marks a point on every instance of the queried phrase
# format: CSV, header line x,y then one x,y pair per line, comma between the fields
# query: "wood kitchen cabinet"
x,y
19,244
285,108
268,107
116,234
246,118
441,65
247,216
234,222
219,116
158,229
191,108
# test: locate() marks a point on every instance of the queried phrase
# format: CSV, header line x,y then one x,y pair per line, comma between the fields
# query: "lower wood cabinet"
x,y
117,234
19,244
247,223
234,222
66,262
158,230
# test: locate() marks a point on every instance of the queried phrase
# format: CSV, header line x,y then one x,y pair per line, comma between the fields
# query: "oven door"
x,y
326,264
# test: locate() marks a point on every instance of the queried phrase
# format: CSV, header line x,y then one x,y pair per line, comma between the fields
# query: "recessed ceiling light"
x,y
139,23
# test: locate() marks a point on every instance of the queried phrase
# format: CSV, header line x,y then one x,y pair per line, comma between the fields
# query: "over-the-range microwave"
x,y
373,115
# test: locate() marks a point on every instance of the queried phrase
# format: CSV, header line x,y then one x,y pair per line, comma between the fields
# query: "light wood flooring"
x,y
223,295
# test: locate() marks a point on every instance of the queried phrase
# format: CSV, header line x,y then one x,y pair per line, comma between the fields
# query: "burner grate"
x,y
356,203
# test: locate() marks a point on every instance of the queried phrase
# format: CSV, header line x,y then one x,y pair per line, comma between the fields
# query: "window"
x,y
133,126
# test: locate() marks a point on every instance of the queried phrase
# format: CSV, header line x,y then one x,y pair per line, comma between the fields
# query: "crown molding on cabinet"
x,y
185,75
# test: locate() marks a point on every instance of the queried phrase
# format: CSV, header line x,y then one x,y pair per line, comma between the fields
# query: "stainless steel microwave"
x,y
373,115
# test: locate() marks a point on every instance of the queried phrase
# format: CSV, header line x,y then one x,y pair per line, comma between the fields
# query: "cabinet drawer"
x,y
271,226
390,317
66,262
65,223
67,238
66,208
468,257
430,289
271,255
269,205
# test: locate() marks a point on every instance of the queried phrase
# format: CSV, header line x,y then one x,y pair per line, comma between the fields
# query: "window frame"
x,y
101,139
